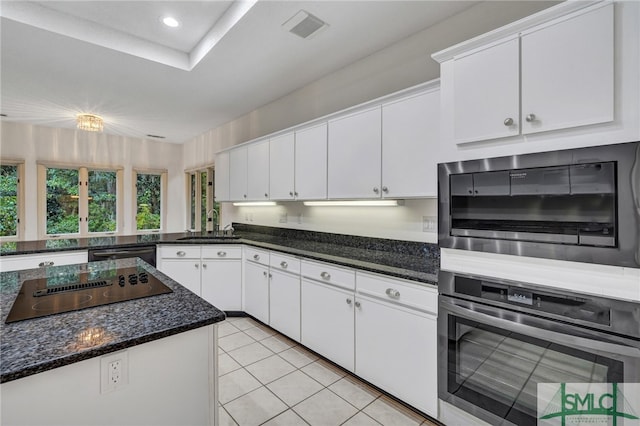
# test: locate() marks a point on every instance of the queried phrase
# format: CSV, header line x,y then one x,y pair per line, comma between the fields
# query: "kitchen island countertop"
x,y
33,346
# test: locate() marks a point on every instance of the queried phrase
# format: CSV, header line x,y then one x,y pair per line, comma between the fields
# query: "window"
x,y
80,201
203,211
149,189
10,200
102,200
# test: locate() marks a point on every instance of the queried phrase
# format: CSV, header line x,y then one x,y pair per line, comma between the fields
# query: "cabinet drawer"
x,y
256,255
284,263
179,252
329,274
397,291
20,262
221,252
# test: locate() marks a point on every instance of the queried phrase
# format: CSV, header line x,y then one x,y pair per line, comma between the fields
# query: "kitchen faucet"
x,y
216,225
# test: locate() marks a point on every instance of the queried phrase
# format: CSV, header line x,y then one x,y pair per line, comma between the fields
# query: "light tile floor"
x,y
268,379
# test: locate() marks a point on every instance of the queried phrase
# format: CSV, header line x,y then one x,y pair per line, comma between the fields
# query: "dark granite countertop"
x,y
413,261
33,346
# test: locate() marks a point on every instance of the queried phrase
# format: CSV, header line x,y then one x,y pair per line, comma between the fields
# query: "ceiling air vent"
x,y
305,25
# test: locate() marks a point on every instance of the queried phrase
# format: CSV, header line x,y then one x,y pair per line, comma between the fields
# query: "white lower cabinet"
x,y
396,350
221,277
327,322
256,284
284,295
213,272
29,261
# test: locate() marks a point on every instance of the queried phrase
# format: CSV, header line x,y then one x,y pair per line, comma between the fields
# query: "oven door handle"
x,y
541,333
130,253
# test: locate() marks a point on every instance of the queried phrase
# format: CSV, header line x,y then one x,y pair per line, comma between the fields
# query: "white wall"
x,y
399,66
66,146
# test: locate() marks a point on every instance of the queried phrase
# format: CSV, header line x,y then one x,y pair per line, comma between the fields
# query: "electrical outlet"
x,y
429,224
114,371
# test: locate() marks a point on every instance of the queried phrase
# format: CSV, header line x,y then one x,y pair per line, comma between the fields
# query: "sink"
x,y
211,237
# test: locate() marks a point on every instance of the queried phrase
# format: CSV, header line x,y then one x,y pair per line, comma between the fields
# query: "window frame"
x,y
163,199
197,204
20,229
83,201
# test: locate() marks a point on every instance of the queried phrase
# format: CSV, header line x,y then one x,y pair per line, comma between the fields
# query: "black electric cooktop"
x,y
71,292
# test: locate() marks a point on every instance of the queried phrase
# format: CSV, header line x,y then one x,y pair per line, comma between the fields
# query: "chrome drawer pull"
x,y
181,253
256,257
45,263
357,304
196,266
264,273
222,253
393,293
325,275
349,301
204,265
284,264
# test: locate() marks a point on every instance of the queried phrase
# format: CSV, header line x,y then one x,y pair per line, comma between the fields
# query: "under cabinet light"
x,y
352,203
255,203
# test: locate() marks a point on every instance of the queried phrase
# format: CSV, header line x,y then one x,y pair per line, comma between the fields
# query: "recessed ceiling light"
x,y
170,21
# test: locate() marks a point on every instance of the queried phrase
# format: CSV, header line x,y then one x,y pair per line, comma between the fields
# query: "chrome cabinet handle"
x,y
349,301
256,257
295,193
385,189
291,193
264,273
270,276
357,304
266,195
204,265
530,118
196,266
180,253
376,190
245,195
284,264
222,253
45,263
391,292
325,275
508,121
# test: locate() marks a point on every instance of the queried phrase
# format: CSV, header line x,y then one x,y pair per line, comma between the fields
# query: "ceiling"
x,y
227,58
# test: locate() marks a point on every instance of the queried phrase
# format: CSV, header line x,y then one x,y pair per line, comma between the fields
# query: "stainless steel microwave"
x,y
578,204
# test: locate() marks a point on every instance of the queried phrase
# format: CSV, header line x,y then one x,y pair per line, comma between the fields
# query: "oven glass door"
x,y
498,370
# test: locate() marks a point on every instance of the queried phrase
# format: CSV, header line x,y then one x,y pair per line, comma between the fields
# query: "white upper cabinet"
x,y
281,167
487,87
238,174
221,171
552,71
311,163
258,171
354,155
410,132
567,72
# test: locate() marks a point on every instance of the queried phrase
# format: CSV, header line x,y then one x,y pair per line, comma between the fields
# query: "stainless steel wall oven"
x,y
498,339
578,204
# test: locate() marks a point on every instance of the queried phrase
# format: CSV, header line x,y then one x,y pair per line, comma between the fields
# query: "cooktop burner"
x,y
58,294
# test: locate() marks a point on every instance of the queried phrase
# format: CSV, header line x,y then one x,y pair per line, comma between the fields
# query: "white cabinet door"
x,y
486,88
284,303
186,272
258,171
221,178
281,167
354,155
222,283
410,134
256,291
238,174
567,72
327,322
311,163
396,350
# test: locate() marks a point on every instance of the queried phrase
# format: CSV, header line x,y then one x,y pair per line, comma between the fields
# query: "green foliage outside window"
x,y
102,201
148,188
8,201
62,201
